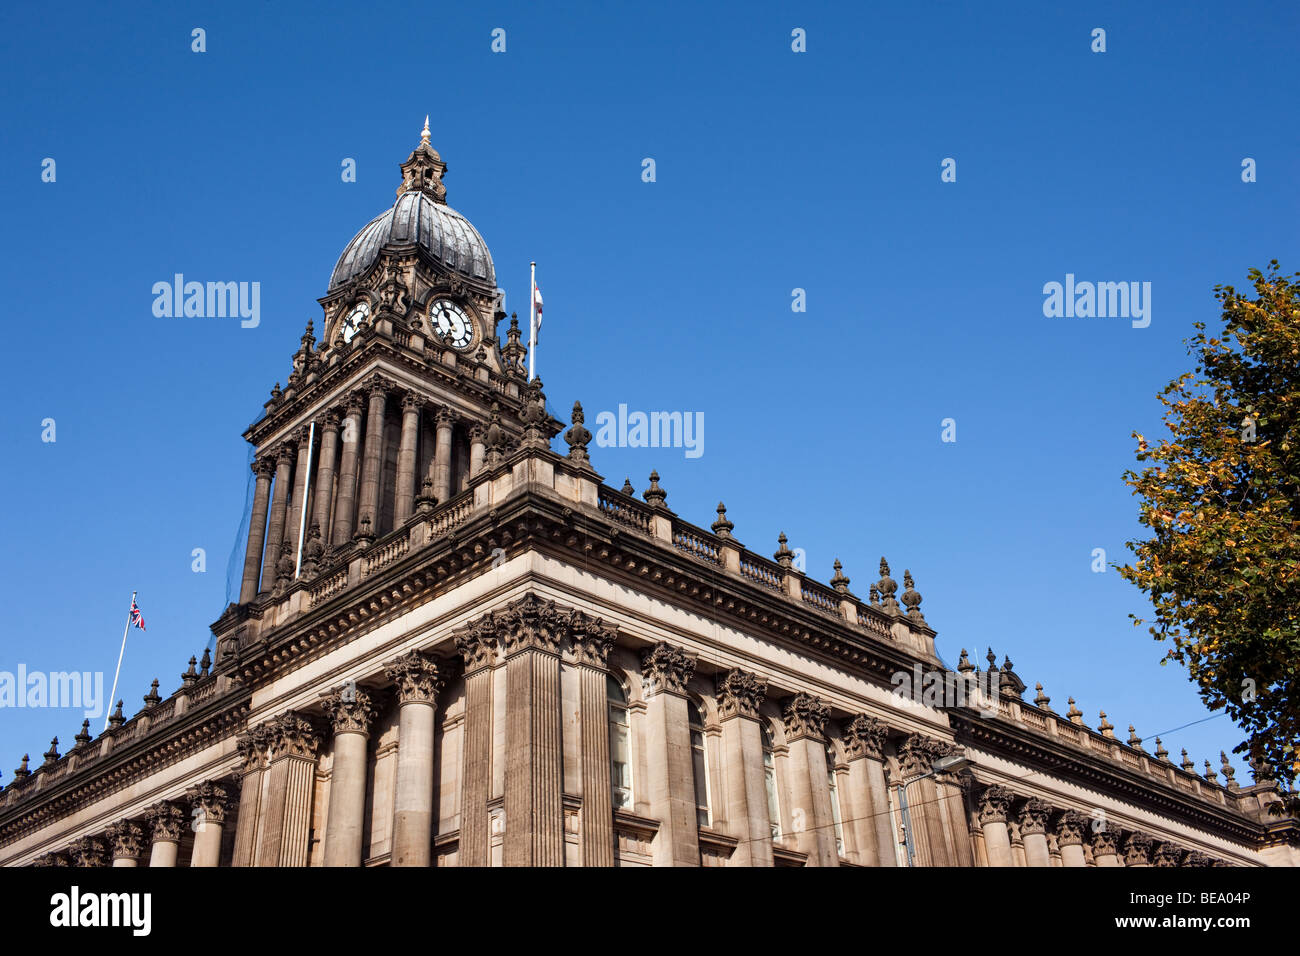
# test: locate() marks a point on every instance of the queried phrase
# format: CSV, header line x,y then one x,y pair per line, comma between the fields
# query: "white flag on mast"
x,y
534,318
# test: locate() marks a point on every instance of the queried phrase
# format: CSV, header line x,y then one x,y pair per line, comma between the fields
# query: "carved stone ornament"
x,y
165,821
87,852
995,803
126,839
1168,854
253,746
416,677
209,799
1071,828
739,694
530,623
477,643
1137,850
666,669
1034,814
806,716
350,710
291,735
918,753
865,737
590,639
1104,842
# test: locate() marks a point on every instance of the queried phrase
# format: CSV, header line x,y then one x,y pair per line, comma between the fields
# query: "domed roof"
x,y
417,219
420,217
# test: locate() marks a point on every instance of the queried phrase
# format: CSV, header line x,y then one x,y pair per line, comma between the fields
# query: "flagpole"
x,y
302,520
109,706
532,322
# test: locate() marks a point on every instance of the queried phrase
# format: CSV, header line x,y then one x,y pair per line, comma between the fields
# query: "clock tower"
x,y
408,395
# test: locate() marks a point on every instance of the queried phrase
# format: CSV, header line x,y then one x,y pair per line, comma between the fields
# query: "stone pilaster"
x,y
930,841
126,841
350,712
665,670
531,630
263,469
864,740
208,815
164,821
283,837
404,504
1034,814
254,746
739,695
370,466
416,677
477,644
279,508
810,796
345,508
995,804
591,642
1071,831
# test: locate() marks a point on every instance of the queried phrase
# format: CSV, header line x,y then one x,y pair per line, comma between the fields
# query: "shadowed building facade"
x,y
456,646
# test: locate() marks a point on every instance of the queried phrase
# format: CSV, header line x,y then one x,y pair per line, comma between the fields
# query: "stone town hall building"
x,y
490,657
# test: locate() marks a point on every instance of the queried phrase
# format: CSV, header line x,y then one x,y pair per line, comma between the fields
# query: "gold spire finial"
x,y
424,135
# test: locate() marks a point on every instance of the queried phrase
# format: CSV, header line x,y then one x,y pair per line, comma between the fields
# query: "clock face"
x,y
354,320
451,323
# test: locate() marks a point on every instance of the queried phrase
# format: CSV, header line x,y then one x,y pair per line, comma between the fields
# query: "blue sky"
x,y
774,171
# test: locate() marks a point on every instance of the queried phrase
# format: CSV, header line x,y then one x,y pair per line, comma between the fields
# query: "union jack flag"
x,y
136,619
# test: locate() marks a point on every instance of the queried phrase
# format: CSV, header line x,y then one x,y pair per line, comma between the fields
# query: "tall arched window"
x,y
769,781
836,819
620,751
700,766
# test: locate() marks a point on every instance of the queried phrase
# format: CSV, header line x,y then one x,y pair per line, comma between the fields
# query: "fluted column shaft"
x,y
442,458
874,837
329,449
417,686
350,713
739,695
953,803
534,746
256,530
477,645
810,796
283,836
252,748
279,505
405,491
345,509
597,818
371,465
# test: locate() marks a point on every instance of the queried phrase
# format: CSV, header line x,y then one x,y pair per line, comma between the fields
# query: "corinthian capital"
x,y
87,851
164,821
291,735
350,710
253,745
806,716
865,737
1071,828
666,669
1034,814
1137,850
126,839
477,643
1104,842
416,678
995,802
590,638
531,624
1168,854
208,802
739,694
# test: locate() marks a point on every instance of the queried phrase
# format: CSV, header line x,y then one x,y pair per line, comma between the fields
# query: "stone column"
x,y
283,838
739,696
442,458
665,669
350,712
416,678
810,795
1137,850
262,468
164,821
279,506
301,480
952,799
253,748
1034,814
208,816
370,466
126,840
477,644
345,509
929,841
531,630
995,802
1104,845
329,450
405,503
591,642
864,739
477,449
1070,831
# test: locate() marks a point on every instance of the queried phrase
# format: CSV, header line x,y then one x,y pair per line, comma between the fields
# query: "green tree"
x,y
1221,497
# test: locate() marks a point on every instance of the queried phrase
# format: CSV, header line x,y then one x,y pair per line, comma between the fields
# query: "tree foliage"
x,y
1221,497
